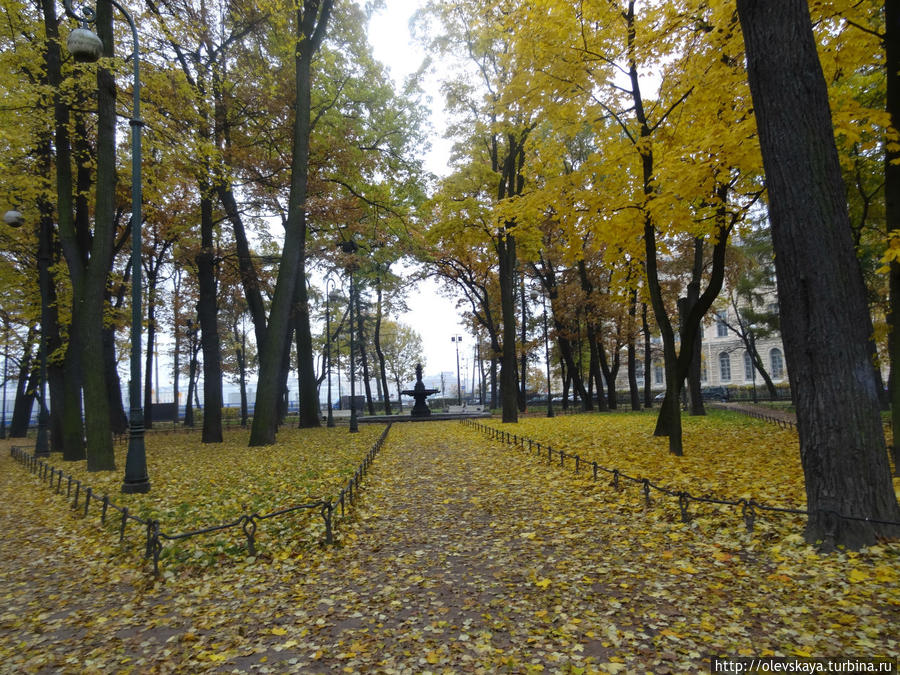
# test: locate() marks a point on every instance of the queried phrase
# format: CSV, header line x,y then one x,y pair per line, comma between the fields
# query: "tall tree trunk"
x,y
669,421
26,380
633,390
311,20
523,364
892,209
194,349
495,401
364,359
610,373
648,358
118,420
309,413
207,313
90,310
246,268
596,370
825,321
378,352
566,355
685,307
506,248
50,332
567,381
176,335
69,407
151,345
242,369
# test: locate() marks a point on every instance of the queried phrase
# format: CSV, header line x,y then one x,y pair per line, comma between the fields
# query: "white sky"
x,y
433,316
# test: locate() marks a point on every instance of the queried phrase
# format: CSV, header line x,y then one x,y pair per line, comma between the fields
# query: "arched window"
x,y
725,367
748,366
777,361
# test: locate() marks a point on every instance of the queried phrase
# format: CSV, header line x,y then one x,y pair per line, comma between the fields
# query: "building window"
x,y
721,326
638,369
658,376
725,367
748,366
703,373
777,361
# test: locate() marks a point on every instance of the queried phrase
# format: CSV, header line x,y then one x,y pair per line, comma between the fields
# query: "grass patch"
x,y
196,486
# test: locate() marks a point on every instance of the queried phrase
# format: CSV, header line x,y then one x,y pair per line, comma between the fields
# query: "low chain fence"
x,y
332,510
756,413
750,508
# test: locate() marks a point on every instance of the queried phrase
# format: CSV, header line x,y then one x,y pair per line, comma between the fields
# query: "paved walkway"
x,y
465,556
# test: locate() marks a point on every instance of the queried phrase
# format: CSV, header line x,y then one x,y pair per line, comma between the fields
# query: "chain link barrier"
x,y
331,510
749,507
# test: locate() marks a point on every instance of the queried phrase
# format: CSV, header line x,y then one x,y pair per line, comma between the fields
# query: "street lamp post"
x,y
534,295
328,292
457,339
480,371
15,218
85,46
350,248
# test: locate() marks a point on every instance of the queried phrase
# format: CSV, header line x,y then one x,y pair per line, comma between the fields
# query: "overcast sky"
x,y
433,316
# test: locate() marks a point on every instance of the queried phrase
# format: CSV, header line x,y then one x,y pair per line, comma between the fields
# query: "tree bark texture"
x,y
892,208
311,20
382,370
309,414
824,314
207,313
509,399
91,301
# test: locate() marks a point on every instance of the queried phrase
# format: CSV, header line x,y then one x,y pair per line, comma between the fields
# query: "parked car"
x,y
714,394
708,394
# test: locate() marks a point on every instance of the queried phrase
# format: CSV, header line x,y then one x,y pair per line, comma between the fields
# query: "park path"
x,y
461,555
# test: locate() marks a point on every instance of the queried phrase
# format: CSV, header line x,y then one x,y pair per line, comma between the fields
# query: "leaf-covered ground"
x,y
196,486
726,454
464,556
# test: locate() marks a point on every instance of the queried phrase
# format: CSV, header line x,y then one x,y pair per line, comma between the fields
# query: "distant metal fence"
x,y
332,510
750,508
771,418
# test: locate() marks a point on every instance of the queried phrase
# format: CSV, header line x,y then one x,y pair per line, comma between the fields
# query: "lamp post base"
x,y
42,443
137,487
136,479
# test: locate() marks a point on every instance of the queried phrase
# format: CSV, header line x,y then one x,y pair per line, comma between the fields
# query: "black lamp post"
x,y
350,248
457,339
85,46
534,295
329,289
15,219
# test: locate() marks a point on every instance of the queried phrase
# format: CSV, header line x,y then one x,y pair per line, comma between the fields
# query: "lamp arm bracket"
x,y
87,15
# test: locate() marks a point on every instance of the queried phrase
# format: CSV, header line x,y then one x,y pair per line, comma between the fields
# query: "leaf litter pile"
x,y
461,555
